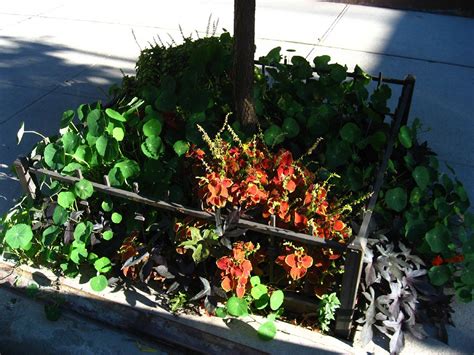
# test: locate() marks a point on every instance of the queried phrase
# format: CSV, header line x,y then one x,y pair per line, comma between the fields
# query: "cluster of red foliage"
x,y
438,260
248,176
236,268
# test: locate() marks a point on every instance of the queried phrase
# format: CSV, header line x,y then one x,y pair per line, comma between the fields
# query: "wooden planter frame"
x,y
354,250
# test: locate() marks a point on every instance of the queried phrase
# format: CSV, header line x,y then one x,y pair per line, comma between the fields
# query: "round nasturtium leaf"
x,y
83,231
181,147
437,238
54,156
118,133
83,189
290,127
128,168
107,235
396,199
19,236
262,302
273,135
258,291
415,196
107,205
60,215
115,115
103,265
70,141
421,176
237,307
350,132
404,136
99,283
254,281
378,140
464,294
153,147
276,299
116,217
221,312
267,330
439,275
152,127
66,199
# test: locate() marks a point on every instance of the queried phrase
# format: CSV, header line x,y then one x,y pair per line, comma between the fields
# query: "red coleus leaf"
x,y
455,259
339,225
437,261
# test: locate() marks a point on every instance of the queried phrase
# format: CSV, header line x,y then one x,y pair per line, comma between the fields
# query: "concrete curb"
x,y
138,312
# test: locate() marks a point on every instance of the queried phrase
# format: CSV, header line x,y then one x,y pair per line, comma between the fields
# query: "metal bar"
x,y
355,250
355,75
27,181
410,87
177,208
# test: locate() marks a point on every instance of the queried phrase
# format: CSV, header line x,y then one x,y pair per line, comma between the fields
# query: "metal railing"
x,y
354,250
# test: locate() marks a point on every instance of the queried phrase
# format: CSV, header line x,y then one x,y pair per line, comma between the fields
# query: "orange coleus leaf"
x,y
291,186
306,261
246,267
240,290
291,260
224,263
297,272
300,220
226,284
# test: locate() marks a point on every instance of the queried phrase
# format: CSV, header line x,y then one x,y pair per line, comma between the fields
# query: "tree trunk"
x,y
244,49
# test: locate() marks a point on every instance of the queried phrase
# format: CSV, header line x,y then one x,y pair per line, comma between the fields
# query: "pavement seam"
x,y
333,24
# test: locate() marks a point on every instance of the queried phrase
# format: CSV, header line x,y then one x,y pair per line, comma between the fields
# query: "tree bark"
x,y
244,49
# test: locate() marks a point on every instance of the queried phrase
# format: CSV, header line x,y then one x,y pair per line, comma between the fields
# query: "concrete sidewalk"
x,y
57,54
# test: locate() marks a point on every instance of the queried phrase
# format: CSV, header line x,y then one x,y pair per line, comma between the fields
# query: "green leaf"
x,y
276,299
290,127
83,231
464,294
83,189
116,217
439,275
107,205
103,265
60,215
49,235
321,63
262,302
181,147
107,147
128,168
70,141
273,135
258,291
237,307
267,330
153,147
437,238
468,276
67,118
337,72
415,196
108,235
118,133
272,57
350,132
115,115
404,136
78,251
378,140
421,176
254,281
99,283
221,312
19,236
54,156
396,199
152,128
66,199
95,123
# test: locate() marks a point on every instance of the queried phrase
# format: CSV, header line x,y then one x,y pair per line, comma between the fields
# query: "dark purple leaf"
x,y
134,260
